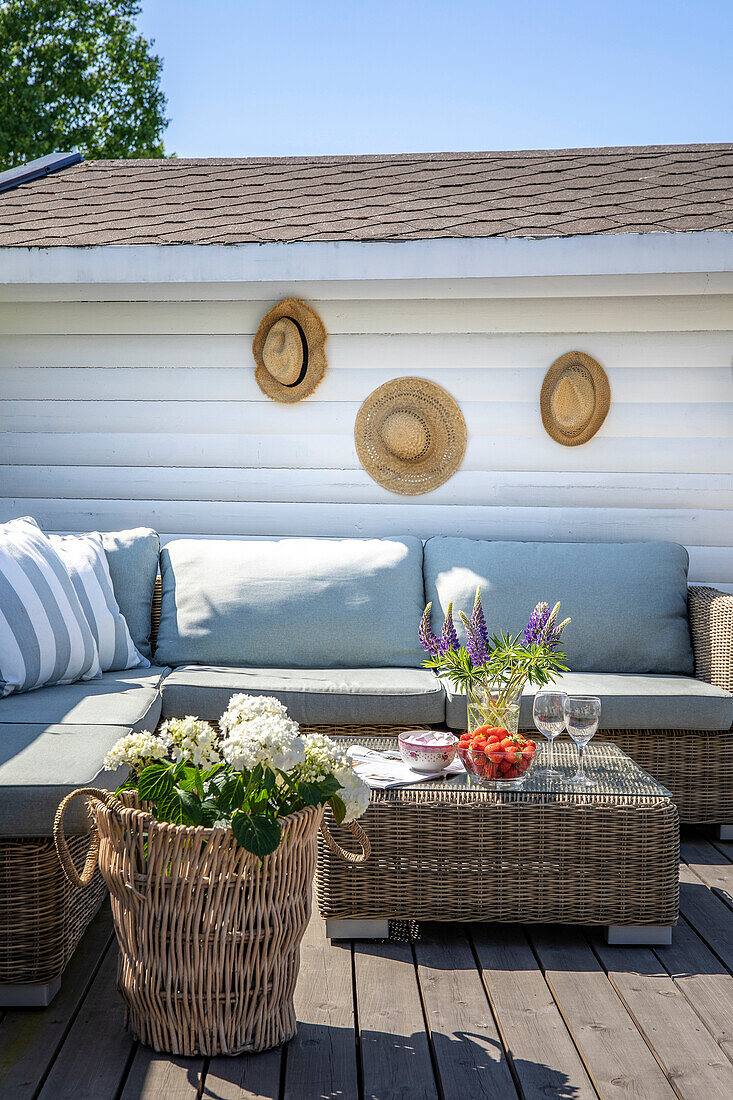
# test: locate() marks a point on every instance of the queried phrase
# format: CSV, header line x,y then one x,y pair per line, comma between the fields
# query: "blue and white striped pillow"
x,y
44,635
86,562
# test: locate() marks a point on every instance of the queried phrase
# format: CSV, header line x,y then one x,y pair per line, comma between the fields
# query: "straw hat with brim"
x,y
575,398
289,351
410,436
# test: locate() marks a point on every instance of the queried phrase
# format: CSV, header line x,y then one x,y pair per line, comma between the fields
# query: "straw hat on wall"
x,y
289,351
410,436
575,398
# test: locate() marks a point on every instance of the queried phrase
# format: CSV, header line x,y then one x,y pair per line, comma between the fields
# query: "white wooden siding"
x,y
119,413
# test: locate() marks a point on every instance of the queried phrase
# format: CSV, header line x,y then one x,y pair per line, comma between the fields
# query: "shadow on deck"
x,y
466,1013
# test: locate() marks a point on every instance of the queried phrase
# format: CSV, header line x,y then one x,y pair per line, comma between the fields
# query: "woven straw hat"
x,y
289,351
410,436
575,398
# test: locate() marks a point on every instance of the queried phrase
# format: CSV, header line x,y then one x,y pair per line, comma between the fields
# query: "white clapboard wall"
x,y
118,413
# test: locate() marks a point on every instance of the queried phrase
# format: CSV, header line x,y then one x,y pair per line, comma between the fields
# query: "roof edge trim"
x,y
452,258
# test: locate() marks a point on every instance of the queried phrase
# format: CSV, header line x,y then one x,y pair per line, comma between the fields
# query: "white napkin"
x,y
383,770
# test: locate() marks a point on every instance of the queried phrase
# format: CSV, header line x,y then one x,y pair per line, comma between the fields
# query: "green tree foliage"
x,y
76,74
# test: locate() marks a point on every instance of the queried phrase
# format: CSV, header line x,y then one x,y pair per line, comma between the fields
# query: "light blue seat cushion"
x,y
341,697
132,557
128,698
627,601
291,603
41,764
629,702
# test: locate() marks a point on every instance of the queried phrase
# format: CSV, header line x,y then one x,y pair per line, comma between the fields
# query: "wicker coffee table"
x,y
449,850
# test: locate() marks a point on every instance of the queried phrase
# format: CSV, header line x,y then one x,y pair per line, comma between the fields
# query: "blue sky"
x,y
258,78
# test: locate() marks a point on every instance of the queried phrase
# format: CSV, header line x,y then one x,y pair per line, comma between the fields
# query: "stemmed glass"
x,y
548,711
582,715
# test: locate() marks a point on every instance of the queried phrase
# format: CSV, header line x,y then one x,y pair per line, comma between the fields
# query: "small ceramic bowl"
x,y
427,750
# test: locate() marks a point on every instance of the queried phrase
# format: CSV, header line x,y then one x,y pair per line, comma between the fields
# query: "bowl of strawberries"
x,y
495,757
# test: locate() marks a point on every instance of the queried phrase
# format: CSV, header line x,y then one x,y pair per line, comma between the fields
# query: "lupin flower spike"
x,y
477,648
428,640
478,620
551,620
533,632
449,637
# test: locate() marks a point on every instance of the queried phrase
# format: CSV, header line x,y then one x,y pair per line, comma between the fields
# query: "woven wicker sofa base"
x,y
696,766
42,917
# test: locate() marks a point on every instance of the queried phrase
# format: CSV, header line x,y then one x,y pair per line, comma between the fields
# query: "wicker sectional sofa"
x,y
329,626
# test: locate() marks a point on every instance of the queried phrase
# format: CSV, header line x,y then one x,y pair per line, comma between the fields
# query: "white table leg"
x,y
639,935
357,929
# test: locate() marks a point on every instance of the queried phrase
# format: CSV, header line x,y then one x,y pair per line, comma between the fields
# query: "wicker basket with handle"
x,y
209,935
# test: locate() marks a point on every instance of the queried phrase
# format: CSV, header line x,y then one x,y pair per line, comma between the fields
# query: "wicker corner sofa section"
x,y
695,765
212,610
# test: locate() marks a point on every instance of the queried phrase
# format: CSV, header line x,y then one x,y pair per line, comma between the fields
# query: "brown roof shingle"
x,y
400,197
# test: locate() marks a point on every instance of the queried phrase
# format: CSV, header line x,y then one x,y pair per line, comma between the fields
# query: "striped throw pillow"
x,y
44,635
86,563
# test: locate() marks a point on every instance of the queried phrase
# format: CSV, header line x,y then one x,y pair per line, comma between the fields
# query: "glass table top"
x,y
616,775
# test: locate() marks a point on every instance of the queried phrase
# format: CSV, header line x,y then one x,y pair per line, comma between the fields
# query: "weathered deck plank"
x,y
615,1055
692,1059
321,1059
705,981
154,1076
543,1055
29,1040
708,914
250,1077
710,866
466,1044
93,1060
578,1020
395,1054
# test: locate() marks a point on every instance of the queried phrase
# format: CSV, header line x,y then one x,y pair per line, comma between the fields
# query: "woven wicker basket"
x,y
209,935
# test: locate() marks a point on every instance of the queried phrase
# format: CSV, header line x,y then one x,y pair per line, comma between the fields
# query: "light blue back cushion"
x,y
132,557
627,601
291,603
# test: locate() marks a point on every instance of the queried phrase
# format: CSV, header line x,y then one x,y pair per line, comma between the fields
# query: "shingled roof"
x,y
417,196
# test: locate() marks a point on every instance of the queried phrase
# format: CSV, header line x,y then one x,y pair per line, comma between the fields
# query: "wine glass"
x,y
582,715
548,711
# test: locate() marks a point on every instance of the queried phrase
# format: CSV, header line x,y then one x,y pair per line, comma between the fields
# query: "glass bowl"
x,y
502,764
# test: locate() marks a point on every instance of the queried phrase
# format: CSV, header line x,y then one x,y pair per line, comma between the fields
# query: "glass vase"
x,y
491,705
501,765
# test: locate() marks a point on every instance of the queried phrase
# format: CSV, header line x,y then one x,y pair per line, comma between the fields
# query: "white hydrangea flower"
x,y
354,792
322,757
137,750
192,740
271,740
242,708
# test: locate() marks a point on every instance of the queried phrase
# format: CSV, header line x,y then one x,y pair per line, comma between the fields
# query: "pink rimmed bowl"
x,y
427,750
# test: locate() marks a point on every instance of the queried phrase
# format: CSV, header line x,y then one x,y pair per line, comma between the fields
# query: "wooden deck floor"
x,y
494,1011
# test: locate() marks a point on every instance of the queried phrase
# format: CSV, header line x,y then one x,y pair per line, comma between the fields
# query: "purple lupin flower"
x,y
541,629
476,646
552,632
428,640
534,631
478,620
448,637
